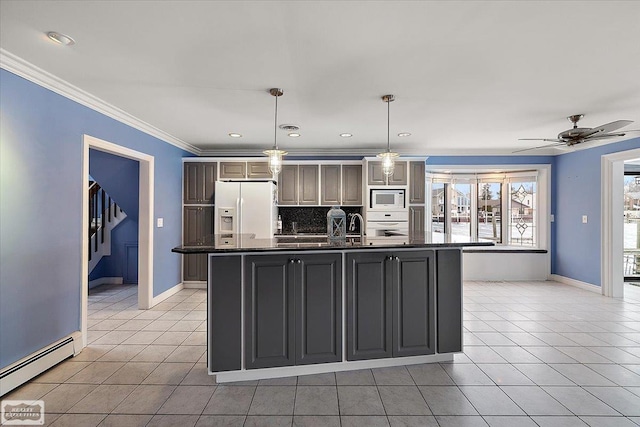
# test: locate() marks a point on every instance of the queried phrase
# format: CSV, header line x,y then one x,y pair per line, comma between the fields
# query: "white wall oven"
x,y
387,226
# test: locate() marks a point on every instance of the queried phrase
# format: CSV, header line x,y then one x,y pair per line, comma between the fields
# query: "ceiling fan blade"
x,y
609,127
555,144
540,139
605,136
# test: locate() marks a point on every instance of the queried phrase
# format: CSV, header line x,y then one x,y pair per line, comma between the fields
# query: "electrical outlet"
x,y
160,222
584,219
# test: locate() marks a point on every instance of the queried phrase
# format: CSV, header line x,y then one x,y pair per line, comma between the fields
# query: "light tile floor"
x,y
537,353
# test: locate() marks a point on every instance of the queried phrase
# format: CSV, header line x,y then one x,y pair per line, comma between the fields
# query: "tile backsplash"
x,y
313,219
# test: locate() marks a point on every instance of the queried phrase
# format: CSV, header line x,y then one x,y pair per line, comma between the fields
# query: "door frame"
x,y
612,198
145,223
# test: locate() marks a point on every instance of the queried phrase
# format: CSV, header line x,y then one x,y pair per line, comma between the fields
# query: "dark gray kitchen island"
x,y
283,309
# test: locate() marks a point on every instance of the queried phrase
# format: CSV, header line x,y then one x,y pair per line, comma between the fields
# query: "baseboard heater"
x,y
22,371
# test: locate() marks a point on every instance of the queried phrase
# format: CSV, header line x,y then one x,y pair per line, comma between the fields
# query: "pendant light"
x,y
388,157
275,154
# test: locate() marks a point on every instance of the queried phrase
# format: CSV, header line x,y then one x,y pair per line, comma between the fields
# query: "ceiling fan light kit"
x,y
576,135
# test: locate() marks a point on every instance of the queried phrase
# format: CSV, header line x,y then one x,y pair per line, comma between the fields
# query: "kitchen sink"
x,y
309,242
303,245
300,238
313,238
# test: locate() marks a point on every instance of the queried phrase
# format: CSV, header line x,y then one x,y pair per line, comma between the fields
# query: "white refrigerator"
x,y
246,207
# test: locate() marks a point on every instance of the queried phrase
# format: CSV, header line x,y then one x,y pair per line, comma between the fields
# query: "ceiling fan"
x,y
578,135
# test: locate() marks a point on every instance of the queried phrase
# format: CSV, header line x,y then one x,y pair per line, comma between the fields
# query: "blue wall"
x,y
120,178
126,233
576,191
40,211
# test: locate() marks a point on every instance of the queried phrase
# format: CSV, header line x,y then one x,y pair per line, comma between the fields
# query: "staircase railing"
x,y
101,211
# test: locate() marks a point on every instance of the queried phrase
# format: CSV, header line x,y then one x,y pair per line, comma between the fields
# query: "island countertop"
x,y
225,243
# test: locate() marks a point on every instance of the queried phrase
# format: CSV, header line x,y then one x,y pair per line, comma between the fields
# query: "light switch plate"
x,y
584,219
553,218
160,222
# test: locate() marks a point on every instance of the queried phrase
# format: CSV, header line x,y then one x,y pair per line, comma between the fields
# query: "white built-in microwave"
x,y
387,198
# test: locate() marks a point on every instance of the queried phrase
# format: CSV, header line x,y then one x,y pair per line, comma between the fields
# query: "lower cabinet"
x,y
293,309
198,222
391,304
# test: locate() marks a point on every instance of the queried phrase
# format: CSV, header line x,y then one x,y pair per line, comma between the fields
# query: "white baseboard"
x,y
321,368
166,294
36,363
195,285
576,283
105,281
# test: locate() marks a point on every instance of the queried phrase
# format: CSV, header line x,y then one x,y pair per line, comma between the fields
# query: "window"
x,y
461,208
438,191
522,213
503,207
489,210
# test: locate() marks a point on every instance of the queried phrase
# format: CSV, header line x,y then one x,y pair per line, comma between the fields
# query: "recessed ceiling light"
x,y
60,38
294,135
346,135
289,127
235,135
403,134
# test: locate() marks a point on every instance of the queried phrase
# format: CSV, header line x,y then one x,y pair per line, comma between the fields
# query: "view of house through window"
x,y
438,192
461,208
499,207
489,211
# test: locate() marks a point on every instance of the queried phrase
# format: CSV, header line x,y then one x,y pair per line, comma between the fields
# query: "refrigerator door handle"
x,y
239,203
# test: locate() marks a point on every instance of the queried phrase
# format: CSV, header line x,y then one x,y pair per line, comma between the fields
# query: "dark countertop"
x,y
228,243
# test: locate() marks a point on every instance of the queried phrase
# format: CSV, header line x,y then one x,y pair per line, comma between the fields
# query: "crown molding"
x,y
26,70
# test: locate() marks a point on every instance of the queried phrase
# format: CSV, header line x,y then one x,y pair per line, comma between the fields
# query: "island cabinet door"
x,y
318,295
269,311
369,321
413,303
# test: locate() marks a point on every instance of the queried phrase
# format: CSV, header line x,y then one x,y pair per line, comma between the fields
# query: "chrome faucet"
x,y
352,225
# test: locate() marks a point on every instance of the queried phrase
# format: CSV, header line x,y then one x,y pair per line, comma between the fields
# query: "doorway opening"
x,y
145,223
614,221
631,227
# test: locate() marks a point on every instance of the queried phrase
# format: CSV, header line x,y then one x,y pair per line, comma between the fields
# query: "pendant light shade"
x,y
388,157
275,154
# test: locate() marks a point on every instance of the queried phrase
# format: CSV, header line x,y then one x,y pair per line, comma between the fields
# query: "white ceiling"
x,y
470,77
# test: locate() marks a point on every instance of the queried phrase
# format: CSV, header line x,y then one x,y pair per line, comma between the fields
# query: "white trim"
x,y
22,68
252,158
321,368
77,342
105,281
611,257
576,283
145,224
166,294
195,285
